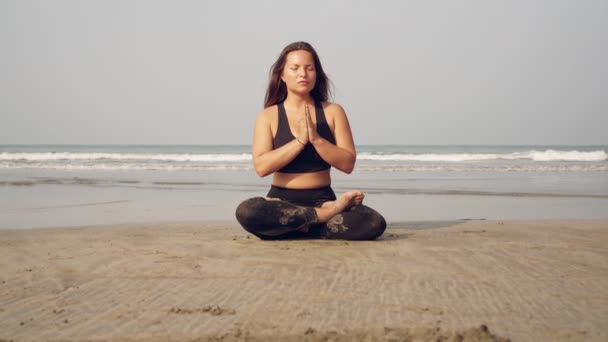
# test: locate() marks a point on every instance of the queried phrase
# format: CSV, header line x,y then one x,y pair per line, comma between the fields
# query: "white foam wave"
x,y
541,156
529,161
67,156
550,155
483,168
379,167
130,167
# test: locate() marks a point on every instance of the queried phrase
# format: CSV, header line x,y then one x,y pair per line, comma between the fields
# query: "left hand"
x,y
312,127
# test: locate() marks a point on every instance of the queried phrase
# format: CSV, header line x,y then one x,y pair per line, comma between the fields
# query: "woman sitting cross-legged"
x,y
298,137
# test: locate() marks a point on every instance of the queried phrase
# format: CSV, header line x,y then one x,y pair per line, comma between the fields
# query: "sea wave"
x,y
539,156
548,160
362,166
128,166
67,156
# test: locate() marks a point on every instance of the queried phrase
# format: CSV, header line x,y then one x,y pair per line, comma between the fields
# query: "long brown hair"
x,y
277,91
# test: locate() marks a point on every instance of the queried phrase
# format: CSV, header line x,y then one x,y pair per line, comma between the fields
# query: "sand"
x,y
464,280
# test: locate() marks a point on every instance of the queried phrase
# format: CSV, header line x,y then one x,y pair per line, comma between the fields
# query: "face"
x,y
299,73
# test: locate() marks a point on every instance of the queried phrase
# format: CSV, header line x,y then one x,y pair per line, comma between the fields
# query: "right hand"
x,y
302,130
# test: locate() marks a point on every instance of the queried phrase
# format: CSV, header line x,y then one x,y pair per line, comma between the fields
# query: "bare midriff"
x,y
309,180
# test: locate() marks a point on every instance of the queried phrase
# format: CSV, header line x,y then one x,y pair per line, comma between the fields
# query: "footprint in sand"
x,y
215,310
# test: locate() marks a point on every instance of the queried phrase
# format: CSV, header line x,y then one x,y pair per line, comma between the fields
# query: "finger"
x,y
309,114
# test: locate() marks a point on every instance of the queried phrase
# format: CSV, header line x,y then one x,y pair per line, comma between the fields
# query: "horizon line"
x,y
216,144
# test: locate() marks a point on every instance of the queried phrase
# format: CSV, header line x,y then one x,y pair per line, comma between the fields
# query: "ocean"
x,y
65,185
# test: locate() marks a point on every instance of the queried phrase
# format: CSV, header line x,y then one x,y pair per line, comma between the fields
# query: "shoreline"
x,y
233,225
525,280
74,198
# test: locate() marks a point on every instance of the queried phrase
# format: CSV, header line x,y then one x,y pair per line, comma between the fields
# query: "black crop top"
x,y
308,160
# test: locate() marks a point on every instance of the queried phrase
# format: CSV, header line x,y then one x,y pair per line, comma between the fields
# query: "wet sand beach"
x,y
475,280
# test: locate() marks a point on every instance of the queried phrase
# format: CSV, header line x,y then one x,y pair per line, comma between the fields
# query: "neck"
x,y
298,101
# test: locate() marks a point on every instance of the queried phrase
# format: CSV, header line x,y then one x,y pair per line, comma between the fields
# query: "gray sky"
x,y
407,72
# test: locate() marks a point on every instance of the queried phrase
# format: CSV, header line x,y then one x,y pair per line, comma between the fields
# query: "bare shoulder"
x,y
268,112
267,115
333,110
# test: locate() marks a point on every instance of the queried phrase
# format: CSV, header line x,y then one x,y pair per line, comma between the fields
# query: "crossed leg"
x,y
343,218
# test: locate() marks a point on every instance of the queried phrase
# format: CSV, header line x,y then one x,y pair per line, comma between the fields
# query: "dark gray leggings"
x,y
281,219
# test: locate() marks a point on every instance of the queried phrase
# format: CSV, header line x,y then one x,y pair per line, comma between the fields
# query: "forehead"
x,y
300,57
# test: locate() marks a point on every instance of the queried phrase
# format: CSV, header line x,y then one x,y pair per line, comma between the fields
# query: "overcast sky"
x,y
407,72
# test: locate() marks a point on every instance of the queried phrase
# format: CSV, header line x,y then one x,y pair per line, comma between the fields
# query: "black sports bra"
x,y
308,160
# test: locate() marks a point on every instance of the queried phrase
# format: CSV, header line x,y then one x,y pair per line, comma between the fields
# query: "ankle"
x,y
324,214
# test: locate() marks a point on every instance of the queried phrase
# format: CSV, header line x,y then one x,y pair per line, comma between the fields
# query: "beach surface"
x,y
471,280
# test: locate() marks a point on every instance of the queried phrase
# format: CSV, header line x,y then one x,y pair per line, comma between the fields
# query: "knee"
x,y
375,223
377,226
247,210
363,222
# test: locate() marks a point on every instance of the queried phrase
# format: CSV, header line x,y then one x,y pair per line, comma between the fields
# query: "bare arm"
x,y
265,159
342,155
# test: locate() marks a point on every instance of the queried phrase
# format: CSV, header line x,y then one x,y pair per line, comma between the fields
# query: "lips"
x,y
303,82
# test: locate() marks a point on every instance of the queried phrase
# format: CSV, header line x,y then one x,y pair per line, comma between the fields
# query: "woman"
x,y
298,137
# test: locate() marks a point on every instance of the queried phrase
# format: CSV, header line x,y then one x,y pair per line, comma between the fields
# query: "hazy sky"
x,y
407,72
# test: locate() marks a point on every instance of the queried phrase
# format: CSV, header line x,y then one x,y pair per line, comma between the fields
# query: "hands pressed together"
x,y
307,130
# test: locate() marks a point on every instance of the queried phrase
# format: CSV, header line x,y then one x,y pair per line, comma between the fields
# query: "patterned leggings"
x,y
284,218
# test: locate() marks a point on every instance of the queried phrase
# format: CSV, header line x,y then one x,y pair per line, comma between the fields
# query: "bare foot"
x,y
359,197
356,198
345,201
